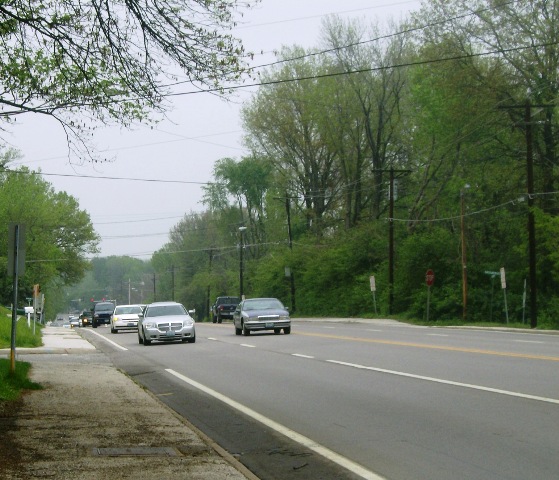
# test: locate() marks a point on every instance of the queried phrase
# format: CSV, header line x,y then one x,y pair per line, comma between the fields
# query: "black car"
x,y
85,318
102,312
224,308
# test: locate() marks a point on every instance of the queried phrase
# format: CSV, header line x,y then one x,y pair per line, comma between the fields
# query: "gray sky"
x,y
134,217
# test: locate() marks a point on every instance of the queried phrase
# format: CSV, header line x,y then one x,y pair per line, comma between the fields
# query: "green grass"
x,y
24,334
12,383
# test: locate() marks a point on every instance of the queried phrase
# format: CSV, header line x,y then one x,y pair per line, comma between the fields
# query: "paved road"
x,y
380,400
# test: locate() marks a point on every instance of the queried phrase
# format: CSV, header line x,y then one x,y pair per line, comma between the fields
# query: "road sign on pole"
x,y
373,289
429,280
504,286
429,277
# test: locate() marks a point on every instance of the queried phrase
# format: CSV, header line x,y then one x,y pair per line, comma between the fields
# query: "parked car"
x,y
85,318
255,314
224,308
166,321
125,317
102,312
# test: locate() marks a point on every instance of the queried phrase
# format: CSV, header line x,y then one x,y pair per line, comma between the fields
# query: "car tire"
x,y
191,339
214,319
238,331
277,331
246,331
94,324
113,330
140,339
287,330
146,341
219,319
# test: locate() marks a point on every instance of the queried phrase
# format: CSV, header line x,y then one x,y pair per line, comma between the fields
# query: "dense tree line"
x,y
418,132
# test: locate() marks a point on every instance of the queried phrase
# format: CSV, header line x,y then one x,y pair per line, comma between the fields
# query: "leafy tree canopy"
x,y
113,60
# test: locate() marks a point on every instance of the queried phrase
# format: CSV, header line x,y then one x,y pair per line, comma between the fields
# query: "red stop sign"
x,y
429,277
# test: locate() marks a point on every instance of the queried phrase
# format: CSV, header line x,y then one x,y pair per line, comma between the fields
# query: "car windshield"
x,y
164,310
104,307
224,300
263,304
128,309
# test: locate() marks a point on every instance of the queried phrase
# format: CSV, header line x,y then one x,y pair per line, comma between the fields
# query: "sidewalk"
x,y
93,422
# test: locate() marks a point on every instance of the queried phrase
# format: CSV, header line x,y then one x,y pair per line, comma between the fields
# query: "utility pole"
x,y
464,263
173,283
208,294
290,236
531,220
391,244
532,280
392,173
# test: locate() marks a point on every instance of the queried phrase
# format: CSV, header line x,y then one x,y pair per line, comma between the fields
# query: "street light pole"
x,y
241,290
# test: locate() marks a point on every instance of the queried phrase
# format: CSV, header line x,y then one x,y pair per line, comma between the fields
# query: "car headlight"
x,y
284,317
150,325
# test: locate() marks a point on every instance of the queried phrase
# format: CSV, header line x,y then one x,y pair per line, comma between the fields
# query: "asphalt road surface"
x,y
352,400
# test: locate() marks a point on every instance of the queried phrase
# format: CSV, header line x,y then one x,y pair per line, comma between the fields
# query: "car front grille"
x,y
165,327
264,318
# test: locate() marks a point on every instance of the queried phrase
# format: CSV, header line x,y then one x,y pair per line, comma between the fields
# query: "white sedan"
x,y
125,317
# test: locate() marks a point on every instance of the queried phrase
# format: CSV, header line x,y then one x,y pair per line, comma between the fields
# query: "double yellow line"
x,y
432,347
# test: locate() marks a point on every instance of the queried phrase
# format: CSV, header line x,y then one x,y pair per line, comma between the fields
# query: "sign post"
x,y
429,280
16,267
373,289
504,287
492,274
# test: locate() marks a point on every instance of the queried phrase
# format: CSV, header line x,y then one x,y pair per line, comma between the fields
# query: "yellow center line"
x,y
432,347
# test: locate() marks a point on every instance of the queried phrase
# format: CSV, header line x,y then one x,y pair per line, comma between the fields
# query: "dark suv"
x,y
102,312
224,308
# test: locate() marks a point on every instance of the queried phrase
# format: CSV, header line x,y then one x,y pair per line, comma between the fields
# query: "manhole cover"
x,y
136,452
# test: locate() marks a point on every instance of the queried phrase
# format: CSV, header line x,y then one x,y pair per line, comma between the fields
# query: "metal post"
x,y
14,306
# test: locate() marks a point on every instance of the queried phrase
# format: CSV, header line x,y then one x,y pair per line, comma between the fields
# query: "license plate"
x,y
131,324
269,324
170,333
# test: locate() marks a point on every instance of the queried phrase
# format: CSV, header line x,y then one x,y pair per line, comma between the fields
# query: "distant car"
x,y
102,312
256,314
125,317
166,321
224,308
86,317
74,321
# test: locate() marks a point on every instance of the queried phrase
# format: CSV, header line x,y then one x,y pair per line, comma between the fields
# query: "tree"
x,y
58,234
112,60
283,123
377,88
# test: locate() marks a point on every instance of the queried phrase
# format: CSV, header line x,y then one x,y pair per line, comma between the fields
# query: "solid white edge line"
x,y
109,341
300,355
291,434
247,345
448,382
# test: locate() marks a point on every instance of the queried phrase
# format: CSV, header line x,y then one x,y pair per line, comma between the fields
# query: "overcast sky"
x,y
133,216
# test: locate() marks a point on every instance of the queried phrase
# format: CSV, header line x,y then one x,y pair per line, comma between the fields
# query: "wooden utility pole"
x,y
392,173
531,220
